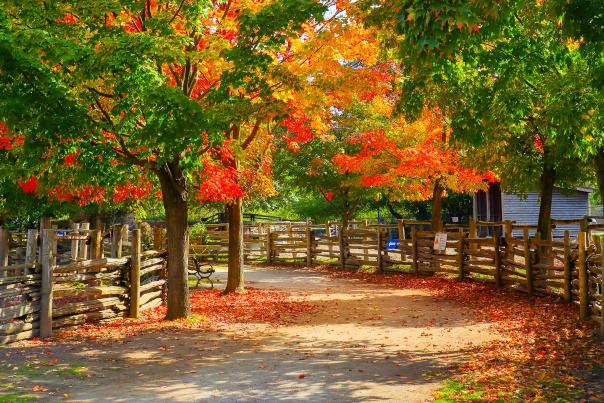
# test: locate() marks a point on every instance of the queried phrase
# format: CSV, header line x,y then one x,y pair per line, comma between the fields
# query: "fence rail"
x,y
511,257
68,286
55,278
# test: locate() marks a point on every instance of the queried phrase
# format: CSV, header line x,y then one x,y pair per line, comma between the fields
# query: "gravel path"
x,y
365,342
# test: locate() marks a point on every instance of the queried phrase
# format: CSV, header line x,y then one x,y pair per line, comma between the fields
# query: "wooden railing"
x,y
51,293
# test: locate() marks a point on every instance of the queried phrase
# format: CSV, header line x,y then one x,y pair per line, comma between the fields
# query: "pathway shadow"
x,y
191,365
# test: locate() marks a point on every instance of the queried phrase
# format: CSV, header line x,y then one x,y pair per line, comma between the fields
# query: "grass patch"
x,y
454,390
16,397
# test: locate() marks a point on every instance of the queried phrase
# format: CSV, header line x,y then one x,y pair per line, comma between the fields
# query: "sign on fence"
x,y
440,241
392,244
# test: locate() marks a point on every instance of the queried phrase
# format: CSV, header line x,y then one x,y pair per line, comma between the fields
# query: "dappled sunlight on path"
x,y
345,339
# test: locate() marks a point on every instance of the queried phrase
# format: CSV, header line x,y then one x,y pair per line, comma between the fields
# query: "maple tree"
x,y
414,161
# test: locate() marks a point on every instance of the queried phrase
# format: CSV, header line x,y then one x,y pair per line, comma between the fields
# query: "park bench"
x,y
201,270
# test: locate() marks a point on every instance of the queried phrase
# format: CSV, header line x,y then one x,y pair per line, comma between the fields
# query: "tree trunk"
x,y
235,282
544,226
599,165
437,195
173,186
343,241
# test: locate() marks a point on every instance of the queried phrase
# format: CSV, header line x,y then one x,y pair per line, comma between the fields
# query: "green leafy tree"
x,y
507,79
144,88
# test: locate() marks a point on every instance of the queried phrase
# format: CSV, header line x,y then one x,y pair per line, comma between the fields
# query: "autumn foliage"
x,y
410,160
210,311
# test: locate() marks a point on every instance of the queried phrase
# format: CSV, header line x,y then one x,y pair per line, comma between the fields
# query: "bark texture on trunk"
x,y
437,196
173,186
235,282
544,225
599,165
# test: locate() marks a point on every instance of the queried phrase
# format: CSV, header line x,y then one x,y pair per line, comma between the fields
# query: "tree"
x,y
414,161
145,84
584,24
507,79
309,168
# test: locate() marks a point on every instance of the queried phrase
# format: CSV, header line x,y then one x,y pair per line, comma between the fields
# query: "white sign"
x,y
440,241
454,219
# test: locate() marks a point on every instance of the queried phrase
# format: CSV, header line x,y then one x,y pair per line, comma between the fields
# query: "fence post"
x,y
567,269
509,247
497,260
341,242
75,231
415,249
31,248
583,281
473,233
461,257
4,247
309,247
401,237
96,244
157,238
117,241
380,244
269,244
135,274
47,260
85,227
125,231
527,262
328,238
584,226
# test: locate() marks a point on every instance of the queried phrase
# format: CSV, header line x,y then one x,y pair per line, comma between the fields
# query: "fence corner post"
x,y
497,260
31,248
461,257
135,274
83,248
96,244
75,243
527,262
567,269
473,233
269,244
583,281
309,247
380,247
47,262
415,249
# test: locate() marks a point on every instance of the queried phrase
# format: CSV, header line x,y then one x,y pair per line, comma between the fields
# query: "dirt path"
x,y
365,342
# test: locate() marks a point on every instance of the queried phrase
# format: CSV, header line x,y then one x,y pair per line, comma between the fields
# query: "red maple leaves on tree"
x,y
417,162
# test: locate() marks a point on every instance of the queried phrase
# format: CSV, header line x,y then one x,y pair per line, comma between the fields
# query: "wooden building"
x,y
497,205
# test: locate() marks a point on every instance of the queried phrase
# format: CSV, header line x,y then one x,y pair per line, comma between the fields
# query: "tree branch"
x,y
251,137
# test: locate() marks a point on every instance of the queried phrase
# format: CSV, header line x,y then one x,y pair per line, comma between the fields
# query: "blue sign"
x,y
392,244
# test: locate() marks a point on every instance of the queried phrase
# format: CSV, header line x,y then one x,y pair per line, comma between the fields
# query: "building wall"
x,y
565,206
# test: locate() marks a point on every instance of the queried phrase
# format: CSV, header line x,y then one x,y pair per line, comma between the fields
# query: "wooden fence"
x,y
69,277
570,268
61,286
